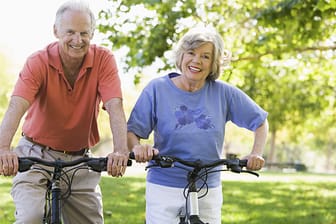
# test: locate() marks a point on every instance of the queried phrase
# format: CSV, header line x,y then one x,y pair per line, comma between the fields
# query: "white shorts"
x,y
167,204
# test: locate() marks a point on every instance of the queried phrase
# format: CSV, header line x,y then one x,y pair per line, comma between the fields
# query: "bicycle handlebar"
x,y
234,165
97,164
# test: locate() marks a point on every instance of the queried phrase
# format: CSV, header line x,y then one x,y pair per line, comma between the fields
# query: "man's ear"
x,y
92,35
55,31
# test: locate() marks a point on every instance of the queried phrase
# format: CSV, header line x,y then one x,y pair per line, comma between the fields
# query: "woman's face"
x,y
74,34
197,63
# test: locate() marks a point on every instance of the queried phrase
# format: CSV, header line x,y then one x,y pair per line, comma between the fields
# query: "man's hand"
x,y
9,163
117,163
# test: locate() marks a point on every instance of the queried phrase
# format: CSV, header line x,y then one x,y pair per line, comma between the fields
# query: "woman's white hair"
x,y
198,36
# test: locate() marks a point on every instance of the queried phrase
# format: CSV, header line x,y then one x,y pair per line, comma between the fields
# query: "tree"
x,y
282,49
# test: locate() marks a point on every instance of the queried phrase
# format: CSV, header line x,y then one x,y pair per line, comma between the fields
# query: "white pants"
x,y
167,204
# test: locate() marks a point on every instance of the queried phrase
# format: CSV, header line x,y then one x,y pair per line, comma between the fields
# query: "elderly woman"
x,y
188,112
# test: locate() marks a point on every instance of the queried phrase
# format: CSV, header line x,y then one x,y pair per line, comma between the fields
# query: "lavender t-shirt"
x,y
190,125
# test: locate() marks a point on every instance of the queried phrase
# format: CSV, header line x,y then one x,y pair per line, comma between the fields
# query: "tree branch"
x,y
256,57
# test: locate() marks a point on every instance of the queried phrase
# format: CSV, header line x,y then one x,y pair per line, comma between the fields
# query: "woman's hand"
x,y
144,153
254,162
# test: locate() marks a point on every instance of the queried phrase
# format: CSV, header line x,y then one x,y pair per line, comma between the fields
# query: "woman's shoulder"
x,y
223,85
161,80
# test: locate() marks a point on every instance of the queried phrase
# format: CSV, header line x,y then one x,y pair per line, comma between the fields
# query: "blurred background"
x,y
283,56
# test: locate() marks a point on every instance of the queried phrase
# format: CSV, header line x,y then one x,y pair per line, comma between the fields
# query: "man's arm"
x,y
10,123
117,161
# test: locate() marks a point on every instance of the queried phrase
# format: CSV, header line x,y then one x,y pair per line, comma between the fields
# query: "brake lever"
x,y
250,172
161,161
150,166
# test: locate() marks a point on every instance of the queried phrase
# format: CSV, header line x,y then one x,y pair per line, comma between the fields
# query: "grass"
x,y
272,199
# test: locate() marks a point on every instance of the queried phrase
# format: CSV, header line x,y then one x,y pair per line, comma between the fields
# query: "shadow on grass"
x,y
264,202
244,202
124,199
279,203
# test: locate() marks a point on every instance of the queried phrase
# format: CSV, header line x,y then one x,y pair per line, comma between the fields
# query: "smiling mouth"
x,y
76,47
194,69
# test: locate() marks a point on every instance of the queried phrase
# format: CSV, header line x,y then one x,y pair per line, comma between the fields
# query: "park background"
x,y
283,56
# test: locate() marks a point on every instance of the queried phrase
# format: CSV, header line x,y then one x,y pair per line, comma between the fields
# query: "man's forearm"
x,y
10,123
118,124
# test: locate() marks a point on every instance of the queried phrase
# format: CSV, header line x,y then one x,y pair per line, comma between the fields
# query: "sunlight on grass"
x,y
5,185
278,203
275,199
6,203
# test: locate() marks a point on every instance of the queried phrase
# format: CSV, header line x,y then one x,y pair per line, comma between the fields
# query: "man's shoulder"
x,y
100,49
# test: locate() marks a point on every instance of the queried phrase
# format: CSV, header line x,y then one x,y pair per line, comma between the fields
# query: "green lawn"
x,y
273,198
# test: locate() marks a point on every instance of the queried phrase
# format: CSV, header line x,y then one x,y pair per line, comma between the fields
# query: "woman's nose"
x,y
196,58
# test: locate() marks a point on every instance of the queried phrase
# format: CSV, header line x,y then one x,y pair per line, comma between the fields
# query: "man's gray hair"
x,y
75,5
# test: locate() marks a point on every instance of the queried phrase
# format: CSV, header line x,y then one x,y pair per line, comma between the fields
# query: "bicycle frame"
x,y
54,189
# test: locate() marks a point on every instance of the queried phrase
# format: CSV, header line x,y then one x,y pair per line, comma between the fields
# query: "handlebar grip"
x,y
243,162
237,165
131,155
100,165
24,164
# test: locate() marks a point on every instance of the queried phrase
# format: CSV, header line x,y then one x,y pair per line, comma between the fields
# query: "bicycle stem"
x,y
193,203
193,194
56,196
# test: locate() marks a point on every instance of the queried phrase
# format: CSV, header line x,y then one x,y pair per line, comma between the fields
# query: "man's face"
x,y
74,33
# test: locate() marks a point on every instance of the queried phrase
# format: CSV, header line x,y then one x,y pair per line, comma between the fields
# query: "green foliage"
x,y
298,22
147,28
283,50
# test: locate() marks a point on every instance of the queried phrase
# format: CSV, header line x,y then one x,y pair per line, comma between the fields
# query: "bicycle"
x,y
54,196
199,171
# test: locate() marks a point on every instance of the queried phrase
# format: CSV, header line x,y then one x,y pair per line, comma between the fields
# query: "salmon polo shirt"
x,y
60,116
